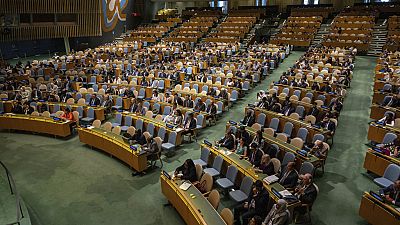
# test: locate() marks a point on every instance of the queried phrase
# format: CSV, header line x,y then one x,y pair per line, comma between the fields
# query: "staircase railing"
x,y
14,191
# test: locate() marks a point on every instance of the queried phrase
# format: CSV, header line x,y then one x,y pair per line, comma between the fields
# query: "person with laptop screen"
x,y
392,193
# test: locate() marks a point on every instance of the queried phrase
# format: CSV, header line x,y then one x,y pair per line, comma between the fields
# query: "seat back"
x,y
128,121
208,180
199,171
300,110
269,131
150,129
306,167
231,173
167,110
227,216
392,172
389,137
289,157
96,123
302,133
118,118
310,119
116,130
246,185
274,123
46,114
319,137
172,138
161,133
217,164
107,126
277,165
90,113
214,198
298,142
297,93
256,126
139,124
200,120
261,119
281,137
131,130
288,128
205,153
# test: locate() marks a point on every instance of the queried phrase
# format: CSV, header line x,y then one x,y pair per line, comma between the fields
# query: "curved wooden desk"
x,y
377,212
114,145
194,211
38,124
377,162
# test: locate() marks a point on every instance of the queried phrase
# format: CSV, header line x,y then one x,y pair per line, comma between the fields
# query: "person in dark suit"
x,y
187,171
28,109
393,101
249,118
228,141
107,103
17,108
189,125
243,134
94,100
151,148
211,92
266,166
134,105
255,155
36,95
178,100
211,111
188,103
306,192
327,88
315,86
392,193
255,205
314,111
264,104
289,176
335,105
288,109
327,124
200,106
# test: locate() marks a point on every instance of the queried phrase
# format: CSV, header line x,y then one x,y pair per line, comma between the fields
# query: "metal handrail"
x,y
14,191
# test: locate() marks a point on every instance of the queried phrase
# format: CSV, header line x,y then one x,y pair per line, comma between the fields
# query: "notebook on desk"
x,y
185,186
271,179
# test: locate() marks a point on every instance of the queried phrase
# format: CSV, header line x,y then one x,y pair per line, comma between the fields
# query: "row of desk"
x,y
37,124
198,210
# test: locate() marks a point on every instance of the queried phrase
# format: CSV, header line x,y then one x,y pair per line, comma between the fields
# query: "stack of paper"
x,y
271,179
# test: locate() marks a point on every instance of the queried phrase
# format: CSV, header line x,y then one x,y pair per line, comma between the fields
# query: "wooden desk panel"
x,y
378,112
375,162
35,124
378,213
377,132
114,145
194,211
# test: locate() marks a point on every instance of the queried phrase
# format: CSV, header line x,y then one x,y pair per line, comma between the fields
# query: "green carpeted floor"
x,y
64,182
